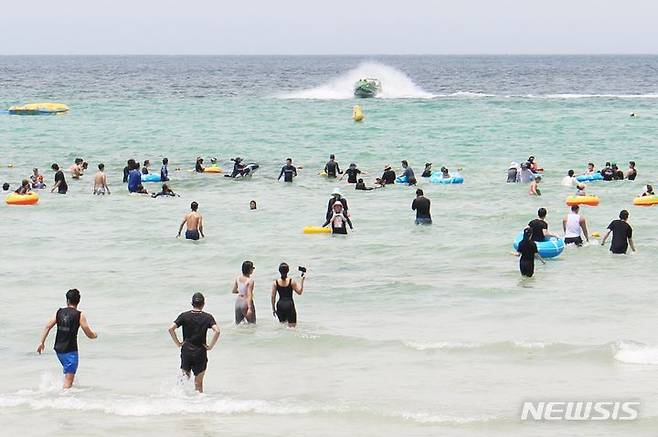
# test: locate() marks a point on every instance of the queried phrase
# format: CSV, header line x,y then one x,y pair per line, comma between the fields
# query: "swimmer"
x,y
331,168
336,196
445,174
339,219
533,165
100,181
569,180
648,191
631,173
528,252
574,226
580,190
618,175
408,173
427,172
126,170
590,169
607,172
24,188
288,171
141,189
622,234
146,167
388,177
252,205
513,172
194,222
68,320
164,170
540,227
284,309
76,168
5,187
243,286
134,178
166,191
525,174
34,179
60,181
534,189
238,168
352,174
360,185
422,206
198,167
194,347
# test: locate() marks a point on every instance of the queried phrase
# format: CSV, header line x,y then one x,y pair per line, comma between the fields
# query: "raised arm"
x,y
44,334
215,337
86,328
299,288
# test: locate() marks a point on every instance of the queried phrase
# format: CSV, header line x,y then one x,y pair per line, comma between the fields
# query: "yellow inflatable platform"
x,y
39,109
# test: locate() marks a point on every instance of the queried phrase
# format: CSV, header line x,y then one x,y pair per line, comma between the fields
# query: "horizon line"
x,y
328,54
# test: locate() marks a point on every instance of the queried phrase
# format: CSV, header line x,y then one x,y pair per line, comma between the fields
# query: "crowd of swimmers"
x,y
195,323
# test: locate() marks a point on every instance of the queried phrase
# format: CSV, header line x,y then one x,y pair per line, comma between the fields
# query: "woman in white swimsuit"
x,y
244,288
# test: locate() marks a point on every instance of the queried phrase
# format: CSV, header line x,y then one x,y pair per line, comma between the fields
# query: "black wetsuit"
x,y
388,177
362,186
527,249
126,170
538,225
63,186
512,175
330,206
332,168
621,232
608,174
422,207
193,354
426,173
352,175
288,171
285,307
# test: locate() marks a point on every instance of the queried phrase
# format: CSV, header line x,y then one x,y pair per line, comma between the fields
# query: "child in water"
x,y
534,189
580,190
166,191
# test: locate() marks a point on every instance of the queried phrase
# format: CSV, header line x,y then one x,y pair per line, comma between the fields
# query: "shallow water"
x,y
403,330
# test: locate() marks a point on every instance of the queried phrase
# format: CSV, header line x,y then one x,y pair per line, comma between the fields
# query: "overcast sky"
x,y
328,27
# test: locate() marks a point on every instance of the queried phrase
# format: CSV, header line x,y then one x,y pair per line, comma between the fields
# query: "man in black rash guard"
x,y
194,348
352,174
331,167
622,234
60,181
288,171
68,321
421,205
528,251
540,227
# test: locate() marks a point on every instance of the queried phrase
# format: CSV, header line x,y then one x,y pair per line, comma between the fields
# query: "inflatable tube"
x,y
437,178
589,177
316,230
645,201
401,180
583,200
357,113
30,198
151,177
213,169
39,109
547,249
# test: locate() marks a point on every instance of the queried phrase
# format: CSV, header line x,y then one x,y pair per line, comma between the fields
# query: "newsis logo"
x,y
580,411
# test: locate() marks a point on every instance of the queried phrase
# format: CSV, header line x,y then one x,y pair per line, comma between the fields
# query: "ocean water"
x,y
403,330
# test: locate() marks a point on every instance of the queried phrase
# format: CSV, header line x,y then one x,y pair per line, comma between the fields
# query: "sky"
x,y
273,27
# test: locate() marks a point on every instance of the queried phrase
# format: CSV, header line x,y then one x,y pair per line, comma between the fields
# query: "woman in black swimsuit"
x,y
284,309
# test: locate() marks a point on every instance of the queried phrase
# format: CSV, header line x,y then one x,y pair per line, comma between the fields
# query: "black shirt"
x,y
126,170
621,232
332,168
422,207
330,206
195,326
527,249
608,174
68,322
63,187
352,175
538,225
388,177
288,171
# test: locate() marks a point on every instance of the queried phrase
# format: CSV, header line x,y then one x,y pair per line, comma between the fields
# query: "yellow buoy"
x,y
596,234
316,230
357,113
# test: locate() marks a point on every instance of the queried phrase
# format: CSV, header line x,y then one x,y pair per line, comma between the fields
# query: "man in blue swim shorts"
x,y
68,321
194,222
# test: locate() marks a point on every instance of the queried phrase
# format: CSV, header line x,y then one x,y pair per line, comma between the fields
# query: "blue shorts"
x,y
192,235
69,361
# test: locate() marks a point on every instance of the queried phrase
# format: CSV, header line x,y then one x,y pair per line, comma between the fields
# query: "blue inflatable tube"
x,y
401,180
151,177
550,248
437,178
589,177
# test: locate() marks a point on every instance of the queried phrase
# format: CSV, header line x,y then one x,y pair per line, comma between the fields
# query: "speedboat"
x,y
367,87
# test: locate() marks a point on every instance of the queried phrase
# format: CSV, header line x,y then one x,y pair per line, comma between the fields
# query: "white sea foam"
x,y
455,420
421,346
635,353
395,85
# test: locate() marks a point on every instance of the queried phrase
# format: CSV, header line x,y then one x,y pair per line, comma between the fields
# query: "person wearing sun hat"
x,y
336,196
339,219
388,177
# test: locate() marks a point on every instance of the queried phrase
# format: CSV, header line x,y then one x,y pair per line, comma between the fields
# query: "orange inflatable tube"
x,y
645,201
30,198
583,200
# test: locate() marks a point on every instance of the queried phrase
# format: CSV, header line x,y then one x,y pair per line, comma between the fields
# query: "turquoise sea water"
x,y
403,330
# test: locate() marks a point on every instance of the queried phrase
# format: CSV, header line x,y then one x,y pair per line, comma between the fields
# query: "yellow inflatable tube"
x,y
30,198
583,200
213,169
645,201
357,113
316,230
39,108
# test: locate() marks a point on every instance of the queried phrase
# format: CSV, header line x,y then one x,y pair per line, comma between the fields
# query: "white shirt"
x,y
568,181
